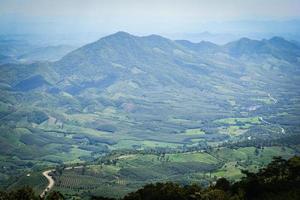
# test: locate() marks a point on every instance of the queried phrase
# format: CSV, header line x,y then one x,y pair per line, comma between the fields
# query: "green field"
x,y
195,131
132,171
234,121
34,180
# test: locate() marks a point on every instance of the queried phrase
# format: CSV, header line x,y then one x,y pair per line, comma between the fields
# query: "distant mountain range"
x,y
127,51
20,51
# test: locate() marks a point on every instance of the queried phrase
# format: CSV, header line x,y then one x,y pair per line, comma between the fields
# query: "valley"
x,y
113,115
128,172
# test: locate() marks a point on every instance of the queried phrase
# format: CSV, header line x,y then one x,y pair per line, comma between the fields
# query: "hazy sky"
x,y
137,15
142,10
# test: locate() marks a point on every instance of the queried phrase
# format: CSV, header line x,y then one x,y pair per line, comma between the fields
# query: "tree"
x,y
101,198
222,184
25,193
294,168
256,152
55,195
4,195
215,195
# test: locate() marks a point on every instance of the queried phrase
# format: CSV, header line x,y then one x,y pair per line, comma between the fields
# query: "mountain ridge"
x,y
126,48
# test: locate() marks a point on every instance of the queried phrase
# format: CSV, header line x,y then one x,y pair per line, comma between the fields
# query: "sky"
x,y
148,10
147,16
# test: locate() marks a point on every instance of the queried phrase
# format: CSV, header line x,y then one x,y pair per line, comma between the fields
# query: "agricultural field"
x,y
34,180
195,131
128,172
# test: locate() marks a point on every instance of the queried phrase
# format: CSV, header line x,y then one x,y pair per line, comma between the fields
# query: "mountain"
x,y
13,48
120,51
6,59
141,61
276,46
201,47
48,53
244,46
217,38
130,92
22,51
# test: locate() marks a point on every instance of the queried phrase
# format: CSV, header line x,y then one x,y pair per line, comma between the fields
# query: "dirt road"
x,y
50,182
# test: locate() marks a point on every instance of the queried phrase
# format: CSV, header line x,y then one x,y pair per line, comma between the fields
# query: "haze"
x,y
170,18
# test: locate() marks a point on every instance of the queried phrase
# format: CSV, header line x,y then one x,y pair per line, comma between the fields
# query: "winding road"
x,y
282,130
50,182
272,98
263,120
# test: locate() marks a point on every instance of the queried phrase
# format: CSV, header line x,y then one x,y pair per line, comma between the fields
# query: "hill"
x,y
150,92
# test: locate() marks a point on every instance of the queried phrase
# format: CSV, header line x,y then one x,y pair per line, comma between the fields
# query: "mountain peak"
x,y
246,40
281,42
243,42
201,47
242,46
119,34
277,38
154,36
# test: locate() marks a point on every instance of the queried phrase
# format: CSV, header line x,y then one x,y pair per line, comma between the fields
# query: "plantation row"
x,y
78,182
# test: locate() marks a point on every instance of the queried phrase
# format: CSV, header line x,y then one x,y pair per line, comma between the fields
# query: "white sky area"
x,y
144,16
155,10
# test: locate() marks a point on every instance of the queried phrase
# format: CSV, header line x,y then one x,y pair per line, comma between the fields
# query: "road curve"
x,y
272,98
50,182
282,130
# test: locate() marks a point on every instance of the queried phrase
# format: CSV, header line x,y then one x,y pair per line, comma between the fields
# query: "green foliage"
x,y
222,184
25,193
37,117
54,195
30,83
163,191
279,180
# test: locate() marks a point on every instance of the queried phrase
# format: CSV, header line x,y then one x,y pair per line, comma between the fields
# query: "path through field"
x,y
50,180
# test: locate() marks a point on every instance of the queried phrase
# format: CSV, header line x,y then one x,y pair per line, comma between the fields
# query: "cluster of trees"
x,y
258,142
27,193
37,117
279,180
112,156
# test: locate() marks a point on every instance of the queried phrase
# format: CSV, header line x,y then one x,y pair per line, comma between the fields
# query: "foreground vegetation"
x,y
279,180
